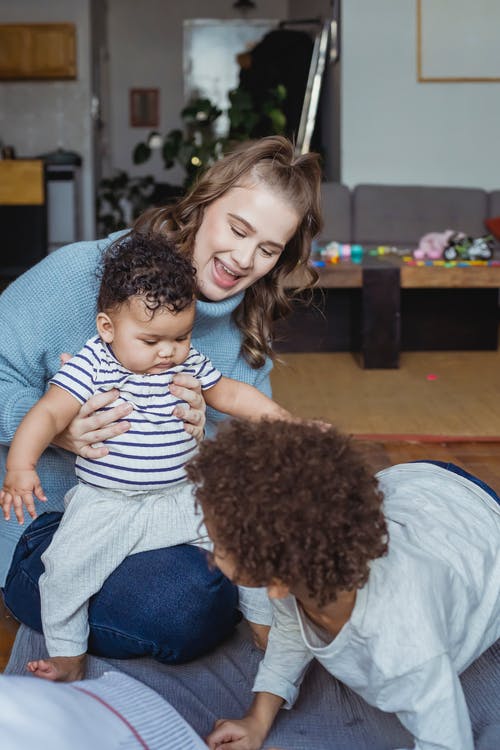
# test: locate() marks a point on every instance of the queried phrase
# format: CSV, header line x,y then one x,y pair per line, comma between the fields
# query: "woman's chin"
x,y
212,291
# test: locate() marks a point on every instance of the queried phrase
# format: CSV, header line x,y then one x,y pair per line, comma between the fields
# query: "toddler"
x,y
391,582
136,497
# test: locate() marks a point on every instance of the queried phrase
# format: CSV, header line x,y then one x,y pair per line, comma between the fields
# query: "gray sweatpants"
x,y
99,529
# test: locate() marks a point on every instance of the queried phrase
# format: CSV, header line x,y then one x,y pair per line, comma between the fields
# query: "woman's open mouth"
x,y
224,276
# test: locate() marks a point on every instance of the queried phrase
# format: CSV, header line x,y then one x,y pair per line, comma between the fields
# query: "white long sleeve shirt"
x,y
428,610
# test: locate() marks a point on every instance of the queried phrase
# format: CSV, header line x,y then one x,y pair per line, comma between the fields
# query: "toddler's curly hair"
x,y
293,502
150,266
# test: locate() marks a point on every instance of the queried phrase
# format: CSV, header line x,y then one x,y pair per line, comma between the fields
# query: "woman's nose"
x,y
243,256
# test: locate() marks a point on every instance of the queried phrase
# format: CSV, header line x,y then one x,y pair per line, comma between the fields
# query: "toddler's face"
x,y
145,344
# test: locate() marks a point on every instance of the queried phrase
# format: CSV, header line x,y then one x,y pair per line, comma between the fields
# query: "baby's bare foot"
x,y
59,668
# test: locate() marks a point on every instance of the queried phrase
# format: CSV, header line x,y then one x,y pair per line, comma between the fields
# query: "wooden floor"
x,y
462,400
456,394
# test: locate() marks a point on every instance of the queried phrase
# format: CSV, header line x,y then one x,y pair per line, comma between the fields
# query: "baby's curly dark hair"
x,y
293,502
147,265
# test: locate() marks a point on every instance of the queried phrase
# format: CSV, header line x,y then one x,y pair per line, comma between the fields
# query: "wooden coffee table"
x,y
384,306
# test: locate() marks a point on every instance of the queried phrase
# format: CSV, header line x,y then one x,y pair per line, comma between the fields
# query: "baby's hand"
x,y
19,486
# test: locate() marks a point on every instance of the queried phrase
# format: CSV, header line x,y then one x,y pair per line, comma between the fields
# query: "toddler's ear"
x,y
105,327
277,590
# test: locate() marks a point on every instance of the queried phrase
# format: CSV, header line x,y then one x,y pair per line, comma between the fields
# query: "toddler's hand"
x,y
19,486
241,734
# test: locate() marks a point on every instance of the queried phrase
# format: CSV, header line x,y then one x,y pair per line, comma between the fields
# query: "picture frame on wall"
x,y
144,108
457,41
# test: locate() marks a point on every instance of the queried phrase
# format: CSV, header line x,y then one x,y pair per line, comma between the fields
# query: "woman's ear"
x,y
277,589
105,327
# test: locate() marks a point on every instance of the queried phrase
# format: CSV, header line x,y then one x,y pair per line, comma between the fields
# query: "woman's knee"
x,y
167,603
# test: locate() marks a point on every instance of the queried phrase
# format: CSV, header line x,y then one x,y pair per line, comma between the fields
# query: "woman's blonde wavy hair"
x,y
271,161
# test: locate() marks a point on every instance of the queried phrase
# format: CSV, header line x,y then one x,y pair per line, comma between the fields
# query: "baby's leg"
x,y
97,532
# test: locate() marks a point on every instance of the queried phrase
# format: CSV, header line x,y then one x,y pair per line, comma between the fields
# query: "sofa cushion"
x,y
494,204
336,207
400,214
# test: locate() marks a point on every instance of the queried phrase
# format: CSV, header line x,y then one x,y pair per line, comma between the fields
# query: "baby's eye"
x,y
237,232
149,343
182,338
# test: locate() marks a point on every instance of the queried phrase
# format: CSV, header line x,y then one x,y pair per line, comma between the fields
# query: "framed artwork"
x,y
144,108
457,41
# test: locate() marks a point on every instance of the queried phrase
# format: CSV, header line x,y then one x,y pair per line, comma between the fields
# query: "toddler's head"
x,y
290,503
146,303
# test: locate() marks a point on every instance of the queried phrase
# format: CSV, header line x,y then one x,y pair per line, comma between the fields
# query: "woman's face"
x,y
241,237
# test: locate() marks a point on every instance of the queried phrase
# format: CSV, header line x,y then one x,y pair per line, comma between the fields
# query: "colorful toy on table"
x,y
335,252
433,244
450,245
469,248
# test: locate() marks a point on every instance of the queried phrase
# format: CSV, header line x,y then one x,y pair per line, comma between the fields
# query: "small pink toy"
x,y
432,245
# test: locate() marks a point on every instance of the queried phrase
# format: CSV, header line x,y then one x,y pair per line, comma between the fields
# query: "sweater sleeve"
x,y
21,379
48,310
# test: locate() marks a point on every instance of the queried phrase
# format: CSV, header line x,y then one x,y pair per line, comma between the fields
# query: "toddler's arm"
x,y
242,400
46,419
277,683
248,733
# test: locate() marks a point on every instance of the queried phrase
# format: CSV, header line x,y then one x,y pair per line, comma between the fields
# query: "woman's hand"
x,y
87,430
241,734
187,388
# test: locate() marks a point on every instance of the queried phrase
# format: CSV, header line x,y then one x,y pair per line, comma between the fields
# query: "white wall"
x,y
145,47
395,130
38,116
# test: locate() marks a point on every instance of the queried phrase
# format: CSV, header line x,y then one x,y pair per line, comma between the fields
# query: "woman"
x,y
247,223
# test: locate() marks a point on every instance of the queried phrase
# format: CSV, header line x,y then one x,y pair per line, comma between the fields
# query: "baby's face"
x,y
148,344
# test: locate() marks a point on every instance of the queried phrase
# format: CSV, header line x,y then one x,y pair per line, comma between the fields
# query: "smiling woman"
x,y
247,230
245,226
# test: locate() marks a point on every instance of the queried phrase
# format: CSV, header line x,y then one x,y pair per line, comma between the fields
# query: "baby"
x,y
391,582
136,497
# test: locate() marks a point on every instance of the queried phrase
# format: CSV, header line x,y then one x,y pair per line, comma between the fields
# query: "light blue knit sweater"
x,y
51,309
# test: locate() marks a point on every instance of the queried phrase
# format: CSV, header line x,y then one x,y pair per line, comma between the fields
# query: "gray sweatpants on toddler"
x,y
99,529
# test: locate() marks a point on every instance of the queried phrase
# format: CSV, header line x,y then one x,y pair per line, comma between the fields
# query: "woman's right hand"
x,y
88,430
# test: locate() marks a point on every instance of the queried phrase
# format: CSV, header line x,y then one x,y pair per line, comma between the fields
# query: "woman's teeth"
x,y
228,270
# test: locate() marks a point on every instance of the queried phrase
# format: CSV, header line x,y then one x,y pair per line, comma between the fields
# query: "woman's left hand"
x,y
187,388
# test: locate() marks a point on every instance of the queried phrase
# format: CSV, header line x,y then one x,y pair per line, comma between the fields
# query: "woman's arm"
x,y
48,309
35,433
242,401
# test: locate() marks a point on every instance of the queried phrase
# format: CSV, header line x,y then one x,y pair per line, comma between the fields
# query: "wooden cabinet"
x,y
37,51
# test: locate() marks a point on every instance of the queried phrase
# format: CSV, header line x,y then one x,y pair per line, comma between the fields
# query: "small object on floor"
x,y
431,376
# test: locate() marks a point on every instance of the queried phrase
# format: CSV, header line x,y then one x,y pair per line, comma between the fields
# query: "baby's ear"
x,y
105,327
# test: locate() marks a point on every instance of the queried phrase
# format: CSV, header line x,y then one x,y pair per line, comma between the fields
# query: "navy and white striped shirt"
x,y
156,448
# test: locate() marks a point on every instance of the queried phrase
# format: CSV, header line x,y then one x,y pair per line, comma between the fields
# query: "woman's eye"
x,y
266,253
237,232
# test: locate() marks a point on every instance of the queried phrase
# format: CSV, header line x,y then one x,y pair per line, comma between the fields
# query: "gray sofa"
x,y
400,214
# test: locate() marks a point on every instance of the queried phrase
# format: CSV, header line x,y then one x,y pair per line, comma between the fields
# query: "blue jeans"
x,y
461,472
170,604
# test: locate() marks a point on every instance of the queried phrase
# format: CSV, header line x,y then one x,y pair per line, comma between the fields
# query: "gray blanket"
x,y
327,716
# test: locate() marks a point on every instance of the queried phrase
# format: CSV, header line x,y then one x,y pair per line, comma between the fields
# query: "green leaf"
x,y
141,153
